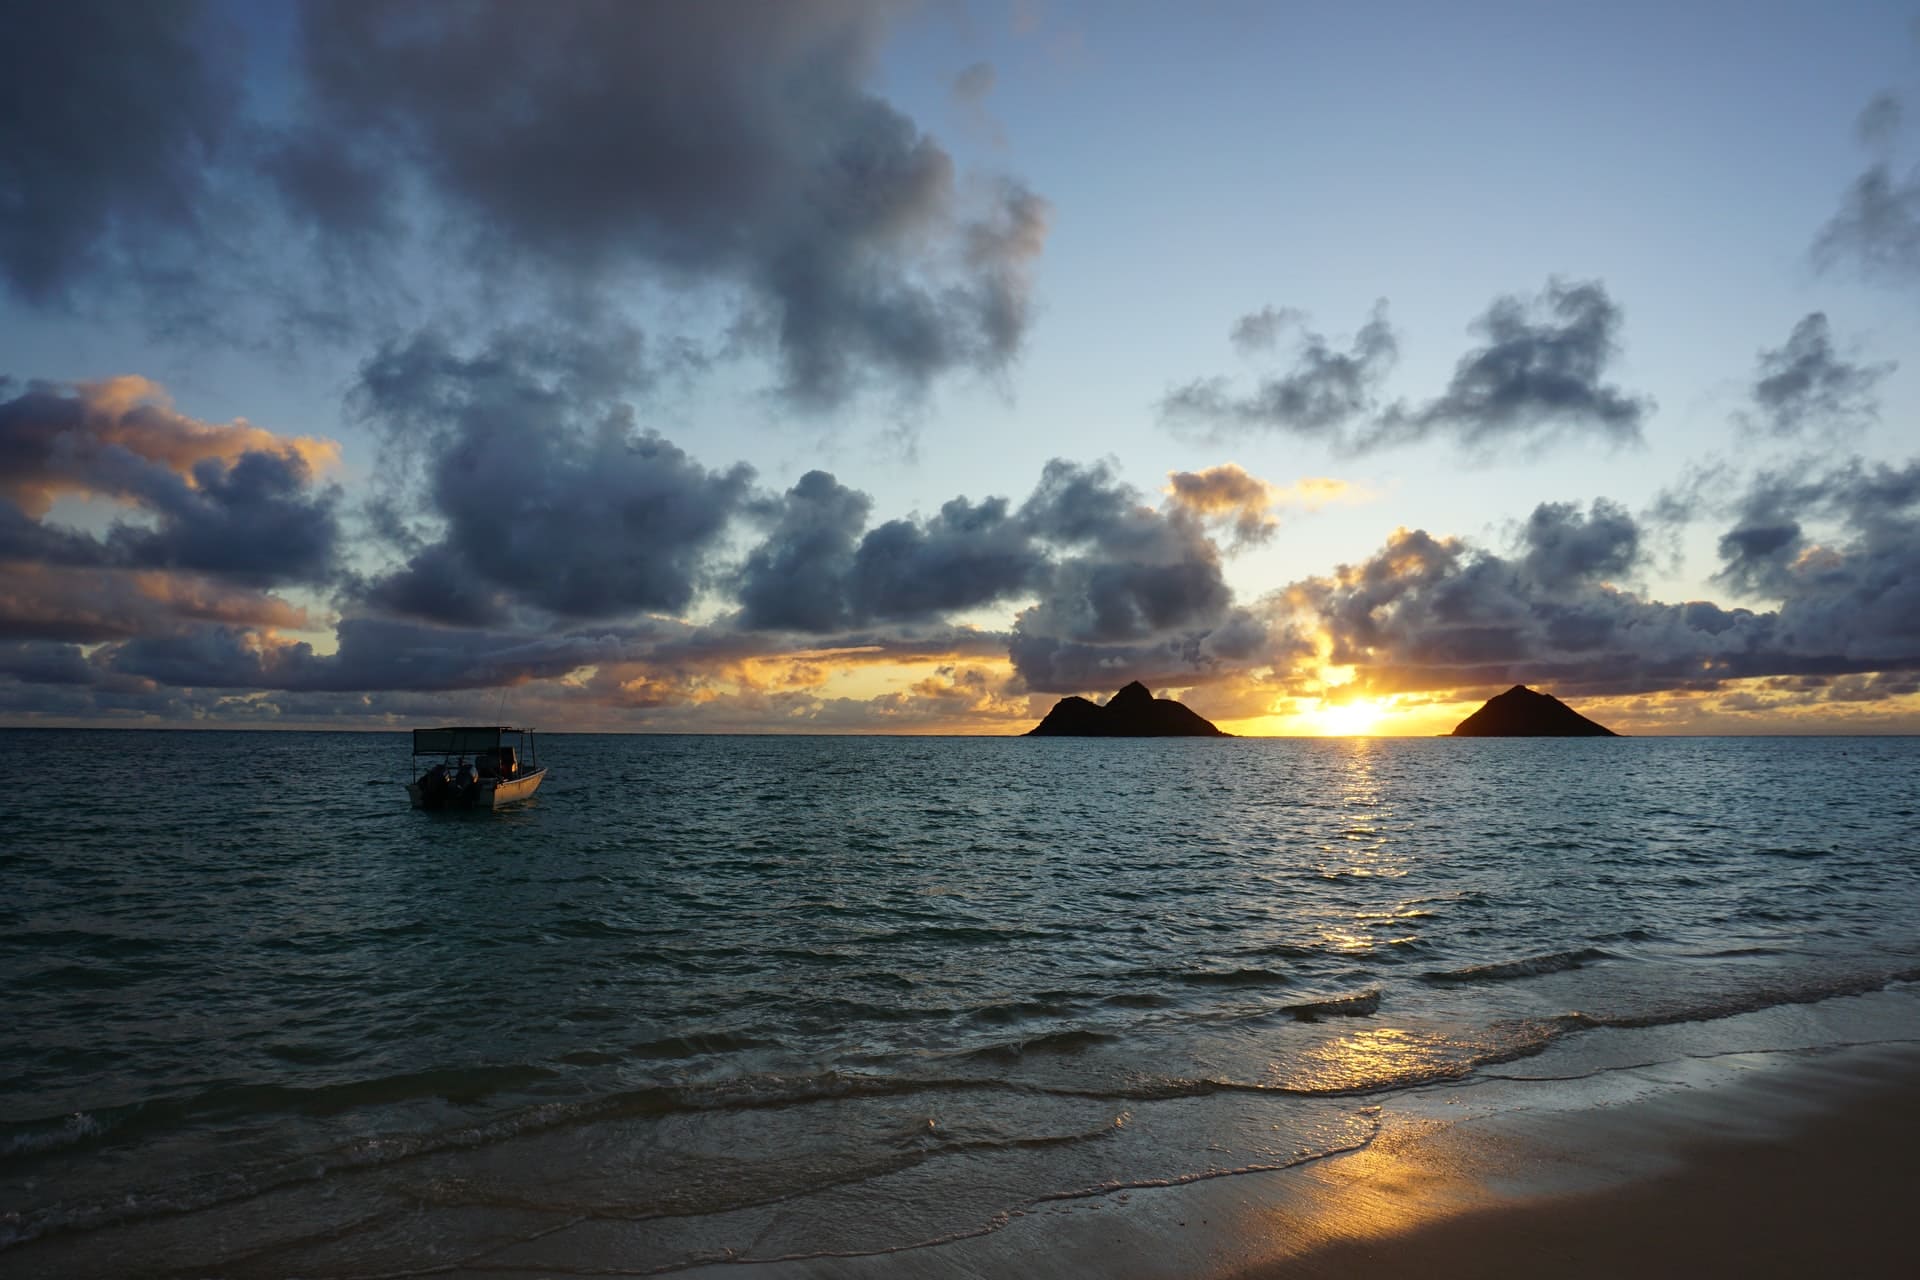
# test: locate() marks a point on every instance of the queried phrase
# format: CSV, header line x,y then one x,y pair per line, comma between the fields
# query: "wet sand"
x,y
1809,1169
1762,1164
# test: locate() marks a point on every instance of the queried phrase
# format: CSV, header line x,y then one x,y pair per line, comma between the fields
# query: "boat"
x,y
474,767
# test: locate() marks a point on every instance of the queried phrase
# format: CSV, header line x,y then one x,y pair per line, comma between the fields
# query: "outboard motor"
x,y
434,788
467,782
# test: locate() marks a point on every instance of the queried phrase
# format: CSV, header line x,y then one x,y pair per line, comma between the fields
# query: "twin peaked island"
x,y
1131,713
1135,713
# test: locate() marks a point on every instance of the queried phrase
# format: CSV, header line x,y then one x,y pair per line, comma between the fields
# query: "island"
x,y
1521,712
1131,713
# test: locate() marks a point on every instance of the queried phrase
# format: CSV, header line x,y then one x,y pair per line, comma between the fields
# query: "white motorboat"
x,y
474,767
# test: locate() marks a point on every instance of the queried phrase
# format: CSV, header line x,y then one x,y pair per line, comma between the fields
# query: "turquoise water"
x,y
762,997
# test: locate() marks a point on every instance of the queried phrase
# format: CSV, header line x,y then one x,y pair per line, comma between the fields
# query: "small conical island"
x,y
1522,713
1131,713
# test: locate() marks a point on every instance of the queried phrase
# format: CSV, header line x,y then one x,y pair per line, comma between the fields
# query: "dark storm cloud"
x,y
24,539
1324,391
1540,374
816,572
1565,546
1855,596
969,554
731,142
382,663
1433,613
374,654
1134,589
255,522
796,579
418,160
110,114
1806,385
40,662
437,586
1115,582
550,494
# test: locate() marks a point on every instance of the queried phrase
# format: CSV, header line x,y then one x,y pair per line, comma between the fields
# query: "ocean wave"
x,y
1524,967
1286,950
1072,1040
1728,1004
227,1103
1042,1004
1138,1000
1358,1005
1231,978
33,1137
698,1044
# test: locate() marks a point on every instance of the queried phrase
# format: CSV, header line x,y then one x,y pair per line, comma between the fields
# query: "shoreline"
x,y
1754,1163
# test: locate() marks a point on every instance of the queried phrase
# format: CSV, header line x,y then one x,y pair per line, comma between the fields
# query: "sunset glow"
x,y
1356,717
911,368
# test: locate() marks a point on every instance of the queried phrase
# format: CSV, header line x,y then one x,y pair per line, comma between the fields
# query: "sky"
x,y
842,366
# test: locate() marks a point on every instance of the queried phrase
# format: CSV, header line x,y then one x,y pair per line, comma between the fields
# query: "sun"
x,y
1353,718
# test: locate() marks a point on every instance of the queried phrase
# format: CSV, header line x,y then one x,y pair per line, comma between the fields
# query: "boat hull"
x,y
489,793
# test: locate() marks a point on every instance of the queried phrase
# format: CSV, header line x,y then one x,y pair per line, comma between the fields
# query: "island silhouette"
x,y
1131,713
1521,712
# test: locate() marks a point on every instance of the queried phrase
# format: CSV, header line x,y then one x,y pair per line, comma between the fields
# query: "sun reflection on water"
x,y
1372,1058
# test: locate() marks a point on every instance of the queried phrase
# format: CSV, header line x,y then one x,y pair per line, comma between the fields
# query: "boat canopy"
x,y
464,740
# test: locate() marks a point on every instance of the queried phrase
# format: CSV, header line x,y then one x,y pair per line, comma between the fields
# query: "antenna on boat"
x,y
501,705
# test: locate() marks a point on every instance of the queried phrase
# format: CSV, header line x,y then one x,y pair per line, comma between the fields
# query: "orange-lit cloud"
x,y
1231,495
60,441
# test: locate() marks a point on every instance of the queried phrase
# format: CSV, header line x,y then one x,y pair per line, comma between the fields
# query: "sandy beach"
x,y
1801,1170
1765,1164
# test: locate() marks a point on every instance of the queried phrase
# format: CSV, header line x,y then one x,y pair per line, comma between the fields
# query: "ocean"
x,y
731,998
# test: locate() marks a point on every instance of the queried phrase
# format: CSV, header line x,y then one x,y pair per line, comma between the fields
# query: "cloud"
x,y
1228,492
40,662
1879,121
1854,592
1540,375
234,501
86,437
550,495
1114,583
1136,591
972,85
110,115
733,144
797,578
1876,230
1564,546
969,554
728,160
1805,385
1430,613
1260,330
88,605
1319,396
817,572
